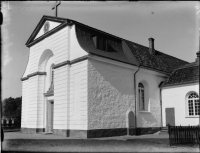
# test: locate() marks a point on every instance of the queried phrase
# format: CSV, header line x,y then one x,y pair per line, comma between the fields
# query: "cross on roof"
x,y
55,6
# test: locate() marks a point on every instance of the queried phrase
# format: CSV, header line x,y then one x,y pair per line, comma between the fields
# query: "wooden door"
x,y
170,116
50,108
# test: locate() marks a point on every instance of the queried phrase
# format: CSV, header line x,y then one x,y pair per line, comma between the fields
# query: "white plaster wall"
x,y
61,93
40,102
48,75
175,96
52,26
75,49
58,44
78,96
34,56
151,117
32,102
24,103
110,95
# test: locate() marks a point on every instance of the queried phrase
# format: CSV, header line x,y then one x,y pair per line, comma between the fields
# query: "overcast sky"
x,y
173,25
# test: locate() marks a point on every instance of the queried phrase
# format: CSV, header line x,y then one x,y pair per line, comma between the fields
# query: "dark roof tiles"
x,y
160,61
186,74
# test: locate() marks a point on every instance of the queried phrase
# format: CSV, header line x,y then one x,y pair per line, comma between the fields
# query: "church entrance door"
x,y
50,108
170,116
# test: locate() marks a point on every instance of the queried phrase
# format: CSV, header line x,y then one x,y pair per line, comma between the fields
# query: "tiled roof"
x,y
86,42
186,74
159,62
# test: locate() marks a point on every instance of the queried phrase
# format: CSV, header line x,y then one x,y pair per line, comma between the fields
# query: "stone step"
x,y
164,130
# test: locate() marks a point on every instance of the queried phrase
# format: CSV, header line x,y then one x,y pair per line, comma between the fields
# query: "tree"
x,y
11,108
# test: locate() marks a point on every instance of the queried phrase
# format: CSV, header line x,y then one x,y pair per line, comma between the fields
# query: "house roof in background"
x,y
188,73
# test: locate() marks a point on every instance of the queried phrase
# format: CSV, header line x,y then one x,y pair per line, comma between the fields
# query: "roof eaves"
x,y
180,83
148,68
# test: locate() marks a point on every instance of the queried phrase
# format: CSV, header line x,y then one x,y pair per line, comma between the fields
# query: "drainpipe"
x,y
161,102
135,96
161,106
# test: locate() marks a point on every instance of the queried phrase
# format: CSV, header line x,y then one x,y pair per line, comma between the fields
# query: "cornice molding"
x,y
67,62
180,84
32,75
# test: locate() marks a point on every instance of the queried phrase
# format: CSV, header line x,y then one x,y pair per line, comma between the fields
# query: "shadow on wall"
x,y
147,120
118,77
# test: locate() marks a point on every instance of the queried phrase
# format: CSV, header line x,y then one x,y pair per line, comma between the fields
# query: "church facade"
x,y
83,82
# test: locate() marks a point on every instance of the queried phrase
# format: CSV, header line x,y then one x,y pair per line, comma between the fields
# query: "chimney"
x,y
151,46
197,59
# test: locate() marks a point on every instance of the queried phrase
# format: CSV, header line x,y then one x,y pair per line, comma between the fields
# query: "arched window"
x,y
193,104
141,96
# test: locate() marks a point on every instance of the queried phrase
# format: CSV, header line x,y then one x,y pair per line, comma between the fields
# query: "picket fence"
x,y
184,134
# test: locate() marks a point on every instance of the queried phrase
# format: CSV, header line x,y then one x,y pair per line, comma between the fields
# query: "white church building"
x,y
83,82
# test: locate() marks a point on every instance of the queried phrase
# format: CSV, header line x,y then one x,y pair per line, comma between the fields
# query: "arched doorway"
x,y
46,88
131,123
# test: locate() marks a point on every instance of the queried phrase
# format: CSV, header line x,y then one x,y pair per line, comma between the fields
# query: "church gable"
x,y
47,26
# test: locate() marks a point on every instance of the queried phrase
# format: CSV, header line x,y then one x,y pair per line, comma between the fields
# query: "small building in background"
x,y
180,96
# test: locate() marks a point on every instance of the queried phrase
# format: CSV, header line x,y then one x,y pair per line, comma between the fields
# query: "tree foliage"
x,y
11,108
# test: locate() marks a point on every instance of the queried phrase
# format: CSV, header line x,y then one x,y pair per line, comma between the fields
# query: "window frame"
x,y
141,97
192,99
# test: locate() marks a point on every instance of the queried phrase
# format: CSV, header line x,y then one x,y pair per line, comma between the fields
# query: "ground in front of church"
x,y
20,142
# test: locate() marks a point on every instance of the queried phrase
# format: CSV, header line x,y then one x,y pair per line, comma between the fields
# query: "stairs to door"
x,y
164,130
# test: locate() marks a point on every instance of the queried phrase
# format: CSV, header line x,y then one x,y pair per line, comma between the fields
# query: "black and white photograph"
x,y
100,76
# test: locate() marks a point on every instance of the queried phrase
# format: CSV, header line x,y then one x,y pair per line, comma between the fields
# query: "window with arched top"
x,y
141,96
193,104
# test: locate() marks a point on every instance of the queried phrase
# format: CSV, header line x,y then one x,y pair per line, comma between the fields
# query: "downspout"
x,y
135,96
160,86
161,106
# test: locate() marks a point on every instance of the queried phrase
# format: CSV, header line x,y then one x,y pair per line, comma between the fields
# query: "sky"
x,y
174,26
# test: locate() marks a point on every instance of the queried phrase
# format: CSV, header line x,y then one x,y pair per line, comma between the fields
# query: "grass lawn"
x,y
91,145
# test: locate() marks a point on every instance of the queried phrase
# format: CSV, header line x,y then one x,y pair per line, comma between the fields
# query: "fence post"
x,y
169,132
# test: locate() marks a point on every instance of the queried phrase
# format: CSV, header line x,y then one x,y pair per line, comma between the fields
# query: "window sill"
x,y
192,117
144,112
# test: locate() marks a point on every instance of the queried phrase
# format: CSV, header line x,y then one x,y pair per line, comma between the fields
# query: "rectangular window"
x,y
197,107
142,94
190,106
139,99
100,42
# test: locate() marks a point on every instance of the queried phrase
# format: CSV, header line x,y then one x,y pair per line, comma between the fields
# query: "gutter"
x,y
135,96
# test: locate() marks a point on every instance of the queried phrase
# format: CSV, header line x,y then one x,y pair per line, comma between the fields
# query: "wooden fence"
x,y
184,134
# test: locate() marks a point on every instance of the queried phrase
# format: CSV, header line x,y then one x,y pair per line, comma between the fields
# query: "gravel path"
x,y
122,144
